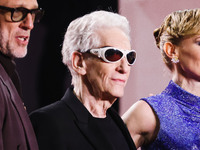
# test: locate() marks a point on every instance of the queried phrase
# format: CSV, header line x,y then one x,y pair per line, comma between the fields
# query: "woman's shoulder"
x,y
141,122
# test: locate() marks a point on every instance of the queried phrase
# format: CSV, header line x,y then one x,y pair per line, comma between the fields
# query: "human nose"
x,y
27,23
123,66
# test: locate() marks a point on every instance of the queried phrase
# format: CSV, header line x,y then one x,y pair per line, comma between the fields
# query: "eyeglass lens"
x,y
17,15
21,13
115,55
131,57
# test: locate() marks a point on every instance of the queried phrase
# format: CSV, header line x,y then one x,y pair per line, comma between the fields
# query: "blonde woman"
x,y
171,119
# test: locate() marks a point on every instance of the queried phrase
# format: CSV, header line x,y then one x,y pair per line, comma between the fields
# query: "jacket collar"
x,y
10,67
18,105
86,126
80,112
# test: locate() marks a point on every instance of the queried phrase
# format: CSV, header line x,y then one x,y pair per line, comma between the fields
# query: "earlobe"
x,y
78,63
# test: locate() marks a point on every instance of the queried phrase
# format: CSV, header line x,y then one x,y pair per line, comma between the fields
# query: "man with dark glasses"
x,y
17,18
97,51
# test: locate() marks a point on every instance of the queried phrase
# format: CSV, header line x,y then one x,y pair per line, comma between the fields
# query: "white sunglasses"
x,y
111,54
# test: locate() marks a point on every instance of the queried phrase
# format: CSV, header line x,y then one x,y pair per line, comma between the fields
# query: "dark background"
x,y
44,77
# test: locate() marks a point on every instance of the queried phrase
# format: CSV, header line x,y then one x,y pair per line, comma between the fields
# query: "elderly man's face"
x,y
107,80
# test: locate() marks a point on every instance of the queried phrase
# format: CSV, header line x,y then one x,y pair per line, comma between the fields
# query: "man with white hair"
x,y
97,51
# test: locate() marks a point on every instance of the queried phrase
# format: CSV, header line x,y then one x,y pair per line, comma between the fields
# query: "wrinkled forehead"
x,y
29,4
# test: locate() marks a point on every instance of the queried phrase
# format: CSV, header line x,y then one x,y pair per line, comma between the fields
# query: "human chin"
x,y
20,52
118,91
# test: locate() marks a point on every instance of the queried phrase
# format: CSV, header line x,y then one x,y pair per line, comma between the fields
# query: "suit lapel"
x,y
86,125
122,127
18,104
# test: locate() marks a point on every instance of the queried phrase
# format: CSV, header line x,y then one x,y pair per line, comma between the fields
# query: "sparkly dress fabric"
x,y
179,115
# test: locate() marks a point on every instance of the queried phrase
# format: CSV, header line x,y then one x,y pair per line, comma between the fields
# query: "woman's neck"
x,y
189,84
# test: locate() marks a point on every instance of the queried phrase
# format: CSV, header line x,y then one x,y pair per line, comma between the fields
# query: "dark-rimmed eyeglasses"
x,y
111,54
18,14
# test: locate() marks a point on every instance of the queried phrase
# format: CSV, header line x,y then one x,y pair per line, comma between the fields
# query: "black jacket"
x,y
64,125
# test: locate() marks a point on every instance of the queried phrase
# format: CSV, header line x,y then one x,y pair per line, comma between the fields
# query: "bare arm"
x,y
142,123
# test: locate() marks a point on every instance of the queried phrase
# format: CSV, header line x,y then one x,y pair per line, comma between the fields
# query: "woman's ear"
x,y
170,50
78,63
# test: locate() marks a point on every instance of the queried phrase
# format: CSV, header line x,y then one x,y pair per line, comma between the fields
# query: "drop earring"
x,y
175,59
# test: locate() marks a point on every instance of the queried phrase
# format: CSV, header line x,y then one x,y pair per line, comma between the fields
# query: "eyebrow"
x,y
35,6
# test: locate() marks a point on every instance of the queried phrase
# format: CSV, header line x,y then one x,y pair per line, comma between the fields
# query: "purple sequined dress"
x,y
179,115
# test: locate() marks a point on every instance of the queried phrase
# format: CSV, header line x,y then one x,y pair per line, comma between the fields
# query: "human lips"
x,y
22,39
119,81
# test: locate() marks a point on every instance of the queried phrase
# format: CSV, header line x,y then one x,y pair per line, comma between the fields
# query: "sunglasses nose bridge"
x,y
28,12
125,56
27,21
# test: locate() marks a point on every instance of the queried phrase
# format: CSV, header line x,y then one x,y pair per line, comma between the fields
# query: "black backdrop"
x,y
44,77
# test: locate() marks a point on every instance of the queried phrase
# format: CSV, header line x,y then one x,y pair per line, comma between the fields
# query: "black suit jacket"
x,y
65,125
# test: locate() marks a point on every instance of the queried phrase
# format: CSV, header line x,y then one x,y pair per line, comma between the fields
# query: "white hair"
x,y
82,34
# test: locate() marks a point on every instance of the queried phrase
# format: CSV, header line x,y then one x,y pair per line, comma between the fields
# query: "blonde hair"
x,y
175,27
